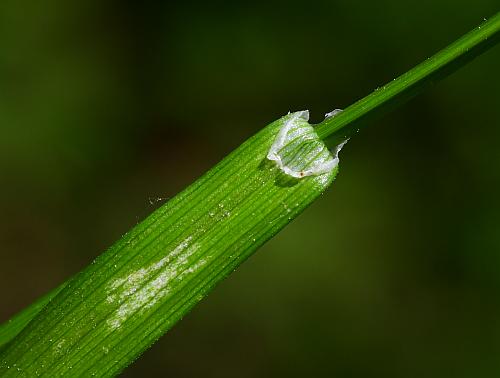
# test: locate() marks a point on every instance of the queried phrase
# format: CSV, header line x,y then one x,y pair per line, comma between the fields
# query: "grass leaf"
x,y
106,316
116,308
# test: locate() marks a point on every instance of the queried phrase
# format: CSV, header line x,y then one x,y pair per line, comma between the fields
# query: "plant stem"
x,y
343,125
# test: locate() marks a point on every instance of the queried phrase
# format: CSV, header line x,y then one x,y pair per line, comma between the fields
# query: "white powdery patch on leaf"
x,y
144,287
298,151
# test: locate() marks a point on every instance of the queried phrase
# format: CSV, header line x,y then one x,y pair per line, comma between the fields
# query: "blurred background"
x,y
108,108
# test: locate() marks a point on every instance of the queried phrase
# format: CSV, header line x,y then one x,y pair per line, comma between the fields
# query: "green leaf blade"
x,y
17,323
135,292
112,311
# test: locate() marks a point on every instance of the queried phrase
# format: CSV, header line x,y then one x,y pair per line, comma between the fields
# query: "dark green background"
x,y
107,108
